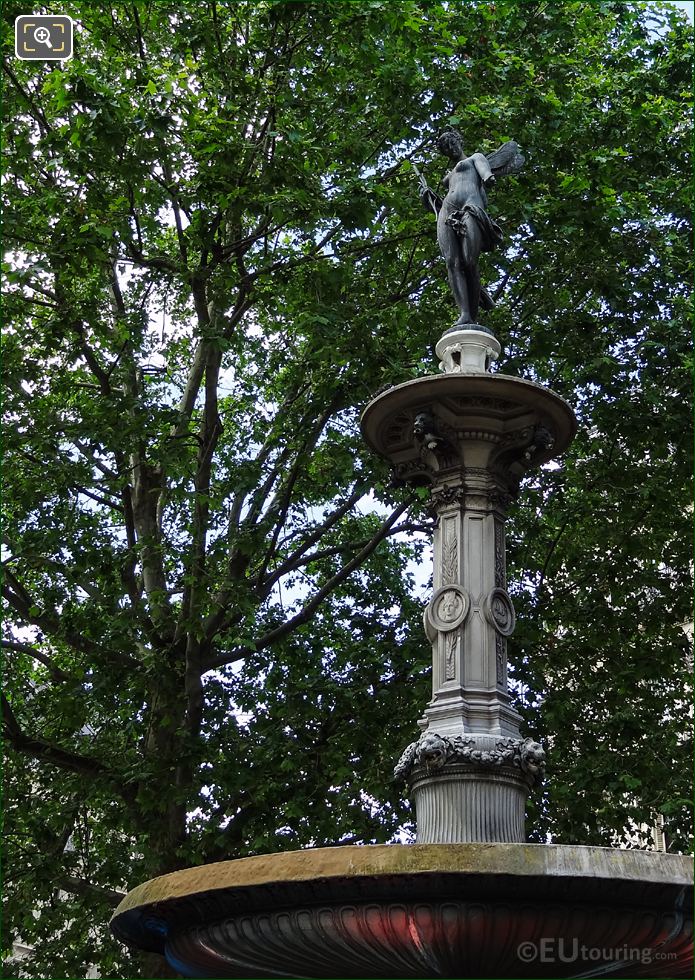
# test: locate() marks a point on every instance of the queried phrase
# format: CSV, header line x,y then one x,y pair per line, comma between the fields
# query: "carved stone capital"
x,y
501,499
478,487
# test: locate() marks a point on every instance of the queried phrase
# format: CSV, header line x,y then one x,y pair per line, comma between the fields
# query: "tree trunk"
x,y
155,967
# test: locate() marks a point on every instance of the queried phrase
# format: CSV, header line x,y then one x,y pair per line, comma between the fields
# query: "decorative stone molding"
x,y
468,402
479,435
447,497
449,559
477,474
414,471
398,430
500,563
499,612
432,752
501,499
500,662
452,640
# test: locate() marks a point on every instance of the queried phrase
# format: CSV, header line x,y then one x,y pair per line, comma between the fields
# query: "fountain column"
x,y
469,436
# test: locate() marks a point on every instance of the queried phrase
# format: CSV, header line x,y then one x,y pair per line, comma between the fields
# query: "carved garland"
x,y
432,752
450,668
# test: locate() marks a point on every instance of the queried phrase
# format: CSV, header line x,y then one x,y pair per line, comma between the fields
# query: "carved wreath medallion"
x,y
499,612
448,608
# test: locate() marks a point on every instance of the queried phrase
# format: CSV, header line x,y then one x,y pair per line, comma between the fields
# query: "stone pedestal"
x,y
467,349
469,436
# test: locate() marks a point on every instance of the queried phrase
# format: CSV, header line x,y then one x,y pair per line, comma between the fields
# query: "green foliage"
x,y
215,255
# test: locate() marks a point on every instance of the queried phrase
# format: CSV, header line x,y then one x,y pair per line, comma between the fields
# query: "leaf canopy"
x,y
215,255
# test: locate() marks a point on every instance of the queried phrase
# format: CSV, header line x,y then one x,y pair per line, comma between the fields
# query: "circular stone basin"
x,y
423,910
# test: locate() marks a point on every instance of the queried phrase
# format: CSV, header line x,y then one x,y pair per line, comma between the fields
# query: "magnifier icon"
x,y
43,36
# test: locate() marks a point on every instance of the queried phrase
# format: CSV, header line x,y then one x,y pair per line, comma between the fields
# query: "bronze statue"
x,y
464,228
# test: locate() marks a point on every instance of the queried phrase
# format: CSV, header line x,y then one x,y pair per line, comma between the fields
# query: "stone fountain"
x,y
470,898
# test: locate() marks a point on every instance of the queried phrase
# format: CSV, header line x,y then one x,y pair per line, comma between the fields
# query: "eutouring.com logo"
x,y
560,950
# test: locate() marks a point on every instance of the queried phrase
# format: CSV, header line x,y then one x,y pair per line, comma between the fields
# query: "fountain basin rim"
x,y
382,860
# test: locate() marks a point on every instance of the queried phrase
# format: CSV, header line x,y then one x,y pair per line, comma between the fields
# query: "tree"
x,y
216,256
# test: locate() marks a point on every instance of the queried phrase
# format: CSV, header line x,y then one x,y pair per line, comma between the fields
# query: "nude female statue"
x,y
464,228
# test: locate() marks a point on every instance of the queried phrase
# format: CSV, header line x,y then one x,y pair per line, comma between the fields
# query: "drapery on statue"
x,y
464,228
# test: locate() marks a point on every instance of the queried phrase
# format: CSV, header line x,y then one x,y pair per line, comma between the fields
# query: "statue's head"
x,y
451,144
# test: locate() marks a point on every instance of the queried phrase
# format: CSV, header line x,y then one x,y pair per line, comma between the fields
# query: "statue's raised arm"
x,y
464,227
429,198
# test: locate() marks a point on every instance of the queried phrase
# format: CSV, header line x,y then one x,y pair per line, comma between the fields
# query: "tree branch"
x,y
290,566
93,364
263,454
79,886
305,614
310,608
553,546
316,535
50,623
99,498
88,453
56,673
283,498
197,370
259,497
216,620
54,755
34,110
